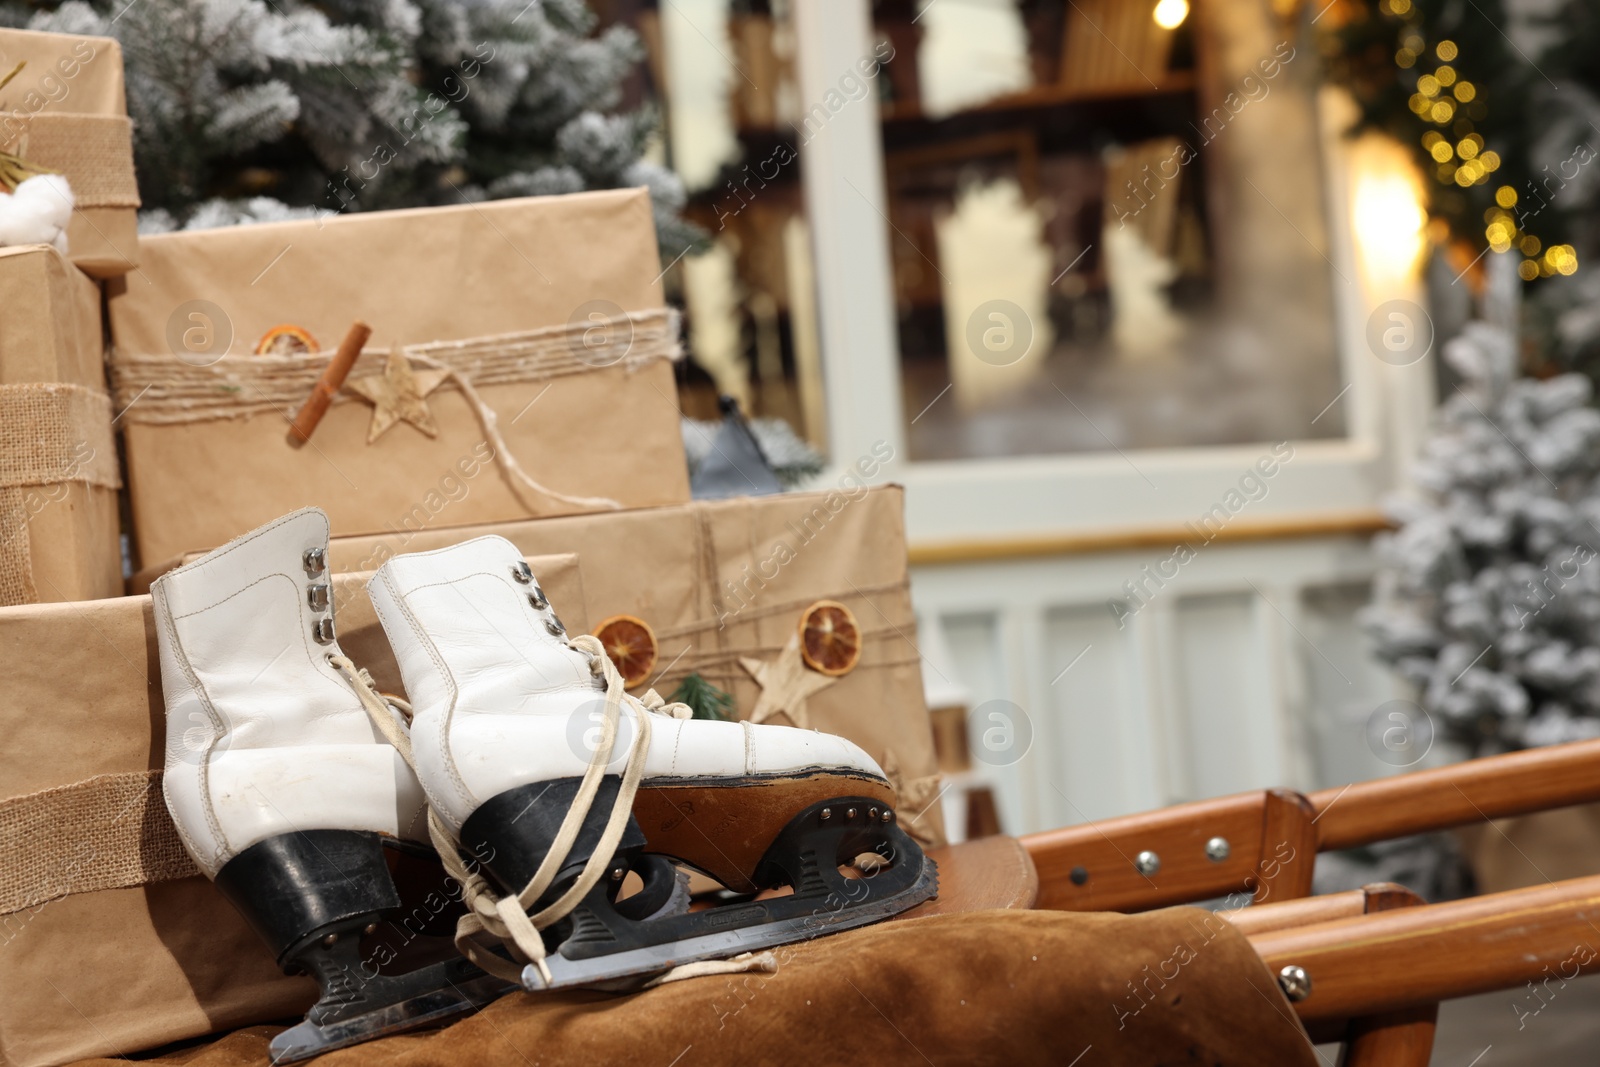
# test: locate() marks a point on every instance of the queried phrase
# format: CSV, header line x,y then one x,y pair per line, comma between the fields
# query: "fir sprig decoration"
x,y
707,700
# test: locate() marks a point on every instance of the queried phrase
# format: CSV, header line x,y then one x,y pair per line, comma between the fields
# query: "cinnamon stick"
x,y
329,384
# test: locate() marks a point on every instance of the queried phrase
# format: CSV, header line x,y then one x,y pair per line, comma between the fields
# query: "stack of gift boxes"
x,y
536,336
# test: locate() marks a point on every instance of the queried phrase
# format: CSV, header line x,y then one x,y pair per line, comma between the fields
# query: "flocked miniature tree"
x,y
1490,598
246,109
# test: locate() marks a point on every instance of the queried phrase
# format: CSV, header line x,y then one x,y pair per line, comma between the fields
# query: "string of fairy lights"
x,y
1451,106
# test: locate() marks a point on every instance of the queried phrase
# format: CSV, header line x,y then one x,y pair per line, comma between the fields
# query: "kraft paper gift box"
x,y
66,111
723,585
547,313
111,941
58,462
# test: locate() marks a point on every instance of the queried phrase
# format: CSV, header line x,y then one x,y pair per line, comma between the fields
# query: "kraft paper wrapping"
x,y
58,509
687,572
72,87
416,276
110,941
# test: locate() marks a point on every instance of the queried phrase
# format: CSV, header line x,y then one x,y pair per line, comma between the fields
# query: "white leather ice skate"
x,y
282,786
534,757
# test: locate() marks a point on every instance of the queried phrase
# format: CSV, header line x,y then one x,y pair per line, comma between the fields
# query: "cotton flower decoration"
x,y
37,212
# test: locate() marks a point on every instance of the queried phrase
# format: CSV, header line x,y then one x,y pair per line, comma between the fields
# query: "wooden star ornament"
x,y
785,683
397,395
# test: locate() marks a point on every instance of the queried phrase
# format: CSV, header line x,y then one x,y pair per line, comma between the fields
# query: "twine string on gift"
x,y
513,472
169,390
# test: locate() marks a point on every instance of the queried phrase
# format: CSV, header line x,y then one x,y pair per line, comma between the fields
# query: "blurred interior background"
x,y
1083,266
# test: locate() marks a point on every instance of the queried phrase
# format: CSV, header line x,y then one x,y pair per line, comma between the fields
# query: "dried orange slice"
x,y
830,640
631,644
287,340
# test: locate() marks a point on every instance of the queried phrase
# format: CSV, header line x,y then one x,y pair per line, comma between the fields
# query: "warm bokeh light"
x,y
1388,213
1561,258
1500,232
1169,14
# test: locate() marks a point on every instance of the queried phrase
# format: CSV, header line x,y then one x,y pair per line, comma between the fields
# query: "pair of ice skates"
x,y
540,783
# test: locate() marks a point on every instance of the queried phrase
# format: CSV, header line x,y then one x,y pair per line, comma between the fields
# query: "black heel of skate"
x,y
312,896
307,887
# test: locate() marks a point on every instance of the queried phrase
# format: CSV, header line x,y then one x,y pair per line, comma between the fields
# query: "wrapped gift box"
x,y
66,111
113,942
547,311
723,584
58,462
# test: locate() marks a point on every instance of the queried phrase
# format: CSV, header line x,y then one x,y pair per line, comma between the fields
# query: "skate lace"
x,y
506,918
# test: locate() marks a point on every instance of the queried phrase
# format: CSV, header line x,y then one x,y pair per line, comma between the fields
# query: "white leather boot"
x,y
282,787
534,757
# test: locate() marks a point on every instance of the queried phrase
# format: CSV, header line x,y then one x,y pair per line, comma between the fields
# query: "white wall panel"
x,y
1232,738
1247,670
1347,688
1101,746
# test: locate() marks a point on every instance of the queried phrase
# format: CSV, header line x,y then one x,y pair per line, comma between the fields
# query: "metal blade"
x,y
453,996
567,973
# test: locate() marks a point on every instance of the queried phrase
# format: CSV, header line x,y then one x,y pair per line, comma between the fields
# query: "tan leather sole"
x,y
723,826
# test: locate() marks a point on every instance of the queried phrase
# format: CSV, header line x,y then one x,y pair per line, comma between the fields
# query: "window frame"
x,y
982,506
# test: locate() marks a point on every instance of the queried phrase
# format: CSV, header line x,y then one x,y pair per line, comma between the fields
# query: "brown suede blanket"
x,y
1008,988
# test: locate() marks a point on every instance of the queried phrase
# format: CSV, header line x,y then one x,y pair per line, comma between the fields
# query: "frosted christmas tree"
x,y
245,110
1489,602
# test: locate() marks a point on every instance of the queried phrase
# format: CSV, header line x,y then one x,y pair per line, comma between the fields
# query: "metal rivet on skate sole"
x,y
619,874
522,572
370,929
323,631
317,596
849,813
316,561
888,816
872,814
331,940
825,814
538,599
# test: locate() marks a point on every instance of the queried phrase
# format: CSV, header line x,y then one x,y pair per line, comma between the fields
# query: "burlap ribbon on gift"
x,y
106,832
50,434
95,152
